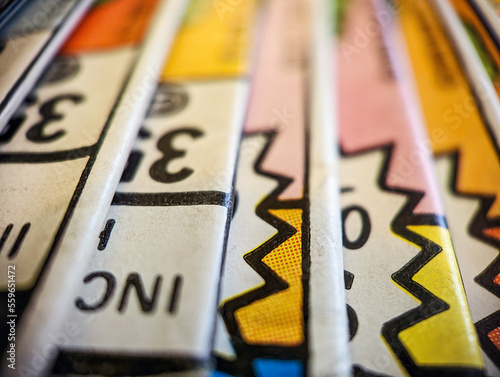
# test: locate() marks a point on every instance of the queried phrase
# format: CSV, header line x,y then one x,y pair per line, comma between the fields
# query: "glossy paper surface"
x,y
33,37
63,154
404,289
467,164
281,254
150,291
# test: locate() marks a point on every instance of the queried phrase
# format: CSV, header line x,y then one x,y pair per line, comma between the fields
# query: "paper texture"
x,y
28,46
403,283
284,261
489,11
63,157
462,137
146,304
482,37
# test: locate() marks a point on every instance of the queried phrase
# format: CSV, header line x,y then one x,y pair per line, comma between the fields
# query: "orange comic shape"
x,y
494,336
493,233
111,24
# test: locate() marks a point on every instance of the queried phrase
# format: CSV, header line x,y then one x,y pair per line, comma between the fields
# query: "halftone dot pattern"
x,y
424,338
278,319
494,336
492,232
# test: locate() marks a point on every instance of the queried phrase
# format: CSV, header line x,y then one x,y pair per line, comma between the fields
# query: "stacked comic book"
x,y
249,188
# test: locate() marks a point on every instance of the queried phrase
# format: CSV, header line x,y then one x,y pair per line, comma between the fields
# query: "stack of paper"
x,y
250,188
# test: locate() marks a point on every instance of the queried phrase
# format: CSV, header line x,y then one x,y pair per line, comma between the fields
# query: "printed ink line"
x,y
105,234
217,198
175,294
5,235
40,158
19,240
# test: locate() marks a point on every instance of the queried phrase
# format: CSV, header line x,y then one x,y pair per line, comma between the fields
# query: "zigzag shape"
x,y
430,305
273,283
482,227
478,227
481,223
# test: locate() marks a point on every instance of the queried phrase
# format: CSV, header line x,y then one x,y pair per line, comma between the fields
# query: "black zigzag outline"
x,y
478,223
483,327
430,305
242,366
